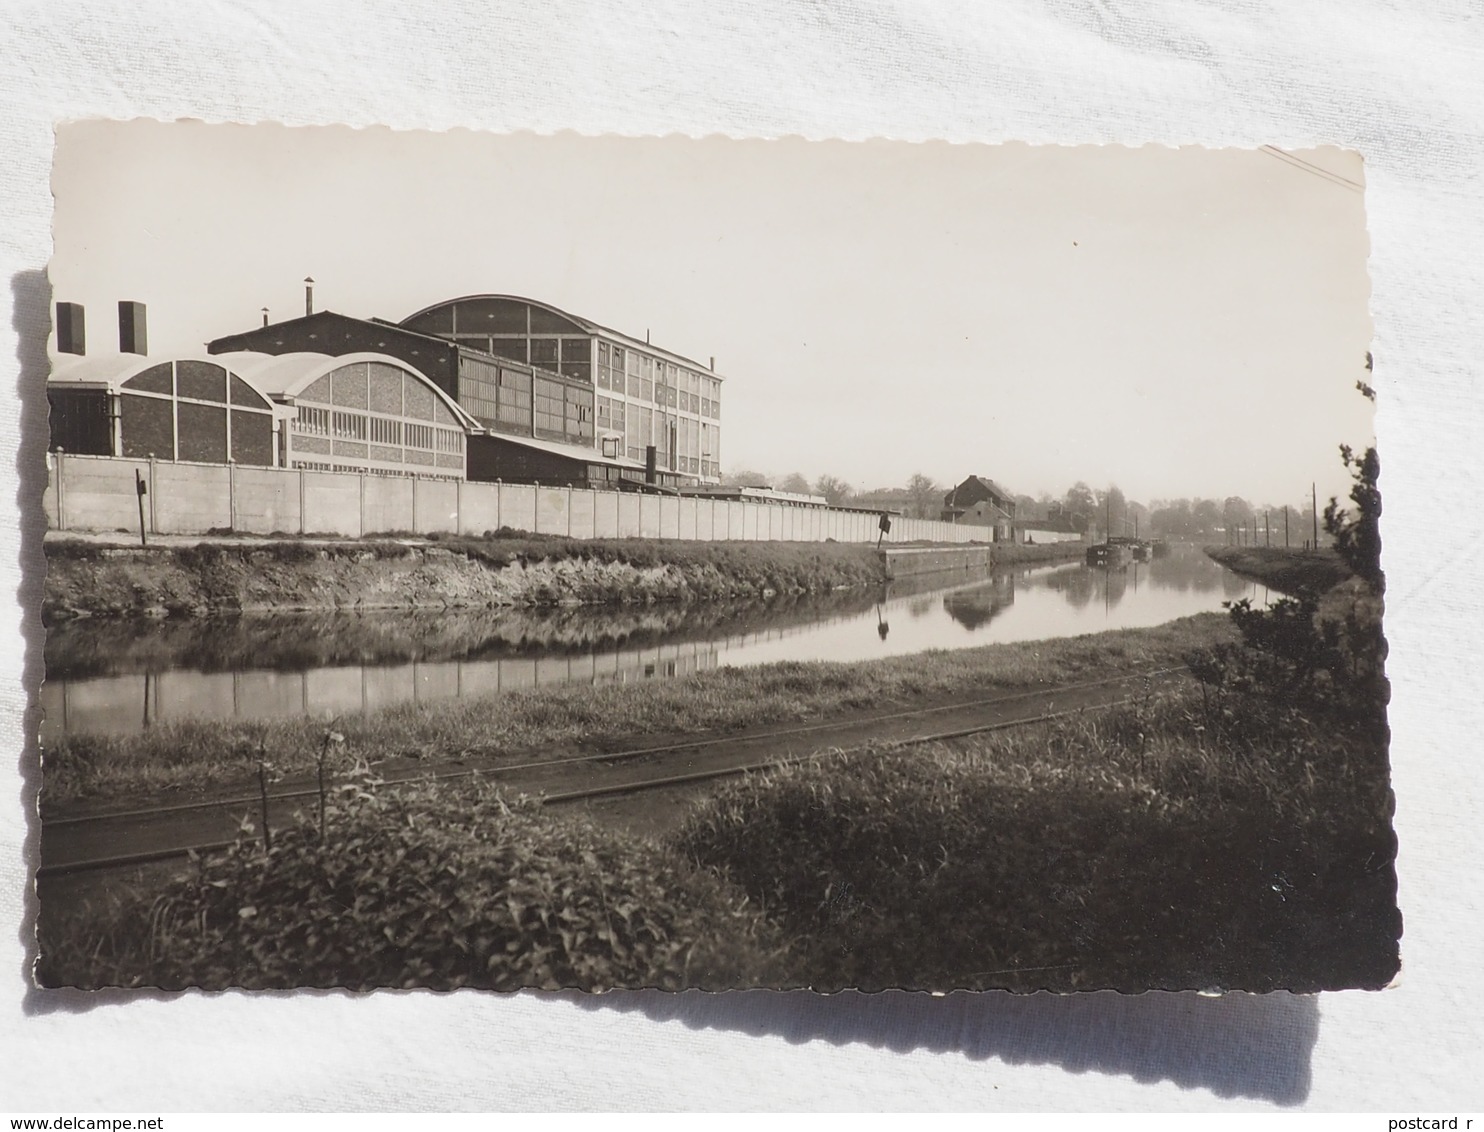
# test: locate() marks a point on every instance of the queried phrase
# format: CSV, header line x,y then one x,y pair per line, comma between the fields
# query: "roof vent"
x,y
308,296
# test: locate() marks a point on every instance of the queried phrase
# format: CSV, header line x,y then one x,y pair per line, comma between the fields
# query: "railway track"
x,y
87,842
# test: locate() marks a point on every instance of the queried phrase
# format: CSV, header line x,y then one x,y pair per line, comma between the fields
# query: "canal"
x,y
124,676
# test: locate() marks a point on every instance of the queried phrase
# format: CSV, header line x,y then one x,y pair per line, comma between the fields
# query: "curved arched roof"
x,y
585,325
288,375
113,370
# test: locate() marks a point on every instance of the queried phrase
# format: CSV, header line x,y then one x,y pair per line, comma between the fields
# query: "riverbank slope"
x,y
1297,572
91,578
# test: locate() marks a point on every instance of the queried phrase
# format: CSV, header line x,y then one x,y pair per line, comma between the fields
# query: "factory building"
x,y
538,422
187,409
642,395
359,412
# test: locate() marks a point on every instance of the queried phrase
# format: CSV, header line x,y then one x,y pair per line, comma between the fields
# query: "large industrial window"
x,y
418,436
450,441
512,348
349,426
515,399
385,432
312,421
479,388
577,359
550,414
579,424
544,352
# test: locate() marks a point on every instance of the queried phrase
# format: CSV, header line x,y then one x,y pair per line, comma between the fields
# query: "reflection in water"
x,y
977,606
122,676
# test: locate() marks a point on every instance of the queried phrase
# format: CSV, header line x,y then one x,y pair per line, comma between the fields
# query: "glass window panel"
x,y
156,379
549,322
252,438
148,425
201,381
512,348
438,320
203,432
245,394
491,316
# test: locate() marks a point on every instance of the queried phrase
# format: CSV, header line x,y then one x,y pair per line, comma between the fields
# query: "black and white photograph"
x,y
507,561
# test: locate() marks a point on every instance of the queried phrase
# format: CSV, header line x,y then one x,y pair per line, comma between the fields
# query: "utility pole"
x,y
1314,502
1267,528
1285,526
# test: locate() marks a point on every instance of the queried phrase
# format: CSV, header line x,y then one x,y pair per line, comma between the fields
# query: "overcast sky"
x,y
1175,321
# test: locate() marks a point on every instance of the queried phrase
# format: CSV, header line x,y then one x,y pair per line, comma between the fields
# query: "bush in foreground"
x,y
418,887
1167,844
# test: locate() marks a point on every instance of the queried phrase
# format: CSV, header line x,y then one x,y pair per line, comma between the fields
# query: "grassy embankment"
x,y
224,576
1297,572
194,756
227,576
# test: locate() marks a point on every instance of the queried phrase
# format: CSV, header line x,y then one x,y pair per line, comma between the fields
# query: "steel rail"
x,y
619,756
97,864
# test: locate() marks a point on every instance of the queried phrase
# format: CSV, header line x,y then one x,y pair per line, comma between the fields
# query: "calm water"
x,y
125,676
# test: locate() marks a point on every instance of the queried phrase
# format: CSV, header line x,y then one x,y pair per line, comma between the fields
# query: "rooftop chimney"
x,y
265,316
133,336
71,330
308,296
713,363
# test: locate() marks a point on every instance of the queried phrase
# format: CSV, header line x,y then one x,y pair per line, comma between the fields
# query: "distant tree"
x,y
924,497
1027,507
743,478
1236,513
1205,516
796,483
1079,504
835,490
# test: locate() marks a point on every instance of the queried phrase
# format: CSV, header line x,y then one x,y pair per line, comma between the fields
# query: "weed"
x,y
423,887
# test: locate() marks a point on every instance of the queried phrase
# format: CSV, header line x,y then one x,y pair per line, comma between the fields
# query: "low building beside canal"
x,y
979,501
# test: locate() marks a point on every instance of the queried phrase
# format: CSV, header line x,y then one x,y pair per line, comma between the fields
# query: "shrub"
x,y
418,887
1135,849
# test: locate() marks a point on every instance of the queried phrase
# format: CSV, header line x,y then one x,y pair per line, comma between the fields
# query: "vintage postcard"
x,y
593,562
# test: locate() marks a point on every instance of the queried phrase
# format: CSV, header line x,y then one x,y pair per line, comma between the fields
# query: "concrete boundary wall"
x,y
97,493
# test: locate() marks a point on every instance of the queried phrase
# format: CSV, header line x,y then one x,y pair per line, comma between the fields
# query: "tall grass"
x,y
189,756
1182,842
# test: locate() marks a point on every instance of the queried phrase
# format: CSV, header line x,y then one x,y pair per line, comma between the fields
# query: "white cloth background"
x,y
1399,84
